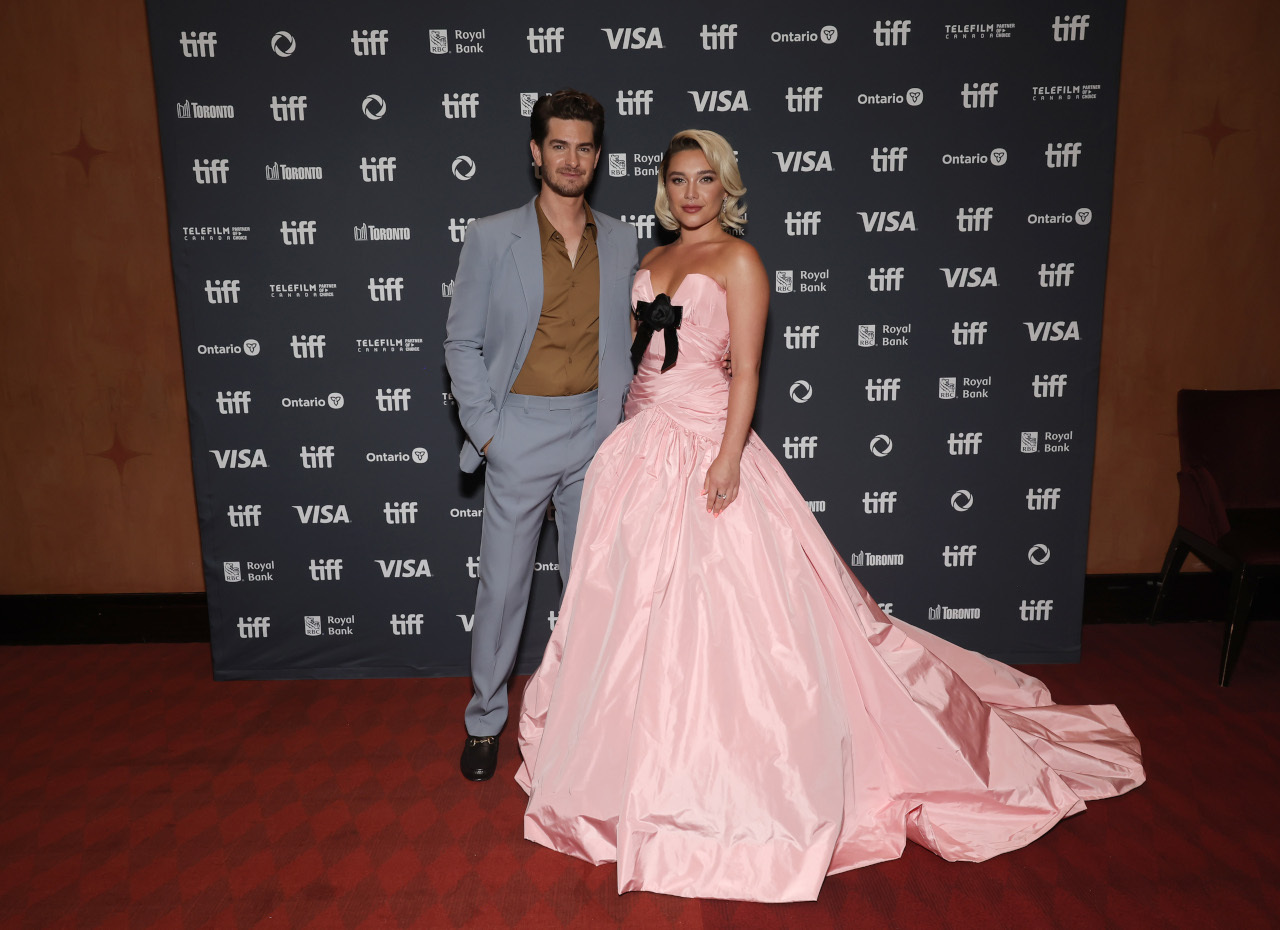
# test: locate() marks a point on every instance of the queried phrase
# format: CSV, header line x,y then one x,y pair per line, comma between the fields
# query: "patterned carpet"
x,y
139,793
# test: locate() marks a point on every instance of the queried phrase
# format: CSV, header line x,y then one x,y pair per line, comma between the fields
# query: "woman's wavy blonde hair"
x,y
719,155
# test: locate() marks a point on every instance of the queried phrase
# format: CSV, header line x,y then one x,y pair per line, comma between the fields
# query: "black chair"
x,y
1228,498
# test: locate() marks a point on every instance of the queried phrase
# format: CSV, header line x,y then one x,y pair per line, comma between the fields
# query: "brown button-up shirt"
x,y
564,357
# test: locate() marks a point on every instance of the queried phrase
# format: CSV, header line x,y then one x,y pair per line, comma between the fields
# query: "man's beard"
x,y
561,187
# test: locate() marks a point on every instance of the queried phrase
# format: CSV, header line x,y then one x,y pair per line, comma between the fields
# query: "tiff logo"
x,y
974,219
381,289
886,279
718,37
369,41
307,346
879,501
958,556
1043,498
400,512
546,39
316,456
212,171
1070,29
879,389
199,45
393,399
804,100
801,337
326,569
1035,610
222,291
964,444
892,32
1063,154
473,567
253,627
246,515
378,168
803,224
1048,385
460,106
889,158
406,624
982,95
288,109
1056,274
643,222
298,232
234,401
799,447
458,228
968,334
634,102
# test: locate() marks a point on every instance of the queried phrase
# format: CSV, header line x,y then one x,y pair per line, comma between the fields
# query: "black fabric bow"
x,y
652,315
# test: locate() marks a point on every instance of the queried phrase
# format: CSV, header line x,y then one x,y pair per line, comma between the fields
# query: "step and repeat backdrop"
x,y
930,194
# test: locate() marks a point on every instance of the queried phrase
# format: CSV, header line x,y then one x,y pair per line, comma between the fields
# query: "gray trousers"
x,y
540,453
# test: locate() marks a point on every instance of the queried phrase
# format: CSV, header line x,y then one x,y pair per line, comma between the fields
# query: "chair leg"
x,y
1243,585
1173,560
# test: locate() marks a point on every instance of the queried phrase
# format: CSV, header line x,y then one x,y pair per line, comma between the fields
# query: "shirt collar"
x,y
546,231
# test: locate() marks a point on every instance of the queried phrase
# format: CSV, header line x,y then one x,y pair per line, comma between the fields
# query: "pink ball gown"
x,y
724,711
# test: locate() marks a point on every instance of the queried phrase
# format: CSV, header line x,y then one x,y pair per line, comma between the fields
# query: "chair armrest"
x,y
1200,507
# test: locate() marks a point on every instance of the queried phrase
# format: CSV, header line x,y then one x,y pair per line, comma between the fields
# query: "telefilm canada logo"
x,y
389,344
215,233
966,31
1065,91
302,290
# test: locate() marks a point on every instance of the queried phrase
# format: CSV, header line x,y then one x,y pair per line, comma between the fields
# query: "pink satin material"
x,y
724,710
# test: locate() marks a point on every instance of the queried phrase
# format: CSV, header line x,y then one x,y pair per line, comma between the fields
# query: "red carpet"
x,y
139,793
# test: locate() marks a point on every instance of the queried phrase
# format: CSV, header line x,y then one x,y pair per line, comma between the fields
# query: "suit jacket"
x,y
497,300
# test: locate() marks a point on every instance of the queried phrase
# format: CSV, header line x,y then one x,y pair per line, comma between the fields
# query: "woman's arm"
x,y
748,288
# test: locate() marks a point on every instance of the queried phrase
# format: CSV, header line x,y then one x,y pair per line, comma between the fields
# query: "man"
x,y
538,350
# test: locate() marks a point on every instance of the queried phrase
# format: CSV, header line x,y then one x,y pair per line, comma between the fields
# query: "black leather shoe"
x,y
479,757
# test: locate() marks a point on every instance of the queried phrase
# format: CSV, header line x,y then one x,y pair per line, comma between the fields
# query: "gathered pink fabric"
x,y
724,711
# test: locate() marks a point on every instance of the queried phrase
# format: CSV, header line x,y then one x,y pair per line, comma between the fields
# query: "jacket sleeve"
x,y
465,337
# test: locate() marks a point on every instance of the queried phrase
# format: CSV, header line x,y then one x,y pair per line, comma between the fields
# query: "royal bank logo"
x,y
961,500
283,44
617,164
316,457
253,627
397,513
643,223
891,334
801,337
804,99
803,223
784,281
1030,442
322,514
1034,611
461,105
718,37
963,443
382,290
369,41
215,233
970,388
634,102
253,571
1043,498
390,344
373,107
311,625
199,44
719,101
888,221
1038,554
969,333
879,501
211,170
406,624
799,447
881,445
298,232
947,388
1052,330
546,40
231,572
979,96
242,515
311,346
404,568
633,37
883,389
222,290
801,392
1052,441
239,458
288,109
974,219
1056,274
866,335
1062,155
325,569
892,32
438,41
189,110
958,556
1065,91
366,233
458,228
970,277
527,101
827,35
393,400
863,559
302,290
941,612
277,171
886,279
804,161
377,168
978,30
889,158
1070,28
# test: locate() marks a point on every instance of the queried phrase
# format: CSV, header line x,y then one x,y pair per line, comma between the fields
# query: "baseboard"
x,y
62,619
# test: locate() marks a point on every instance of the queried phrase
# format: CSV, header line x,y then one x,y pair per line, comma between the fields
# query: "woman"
x,y
722,708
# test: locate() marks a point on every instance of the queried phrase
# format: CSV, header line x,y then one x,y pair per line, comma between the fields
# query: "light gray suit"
x,y
540,447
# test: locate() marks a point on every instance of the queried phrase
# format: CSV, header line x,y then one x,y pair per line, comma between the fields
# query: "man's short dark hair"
x,y
566,104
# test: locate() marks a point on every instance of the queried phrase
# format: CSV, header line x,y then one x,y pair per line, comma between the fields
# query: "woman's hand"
x,y
721,484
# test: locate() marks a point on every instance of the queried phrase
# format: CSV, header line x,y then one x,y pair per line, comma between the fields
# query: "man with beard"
x,y
538,350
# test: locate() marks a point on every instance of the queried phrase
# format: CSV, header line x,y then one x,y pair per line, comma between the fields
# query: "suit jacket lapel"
x,y
527,251
604,256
